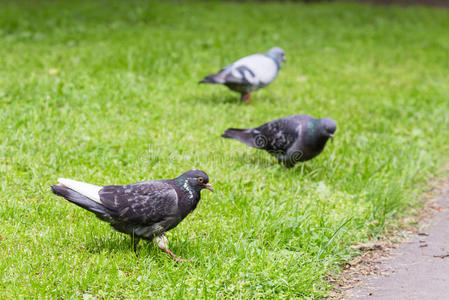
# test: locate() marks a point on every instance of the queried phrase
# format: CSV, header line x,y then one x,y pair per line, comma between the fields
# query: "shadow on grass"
x,y
98,245
234,99
262,159
218,99
124,246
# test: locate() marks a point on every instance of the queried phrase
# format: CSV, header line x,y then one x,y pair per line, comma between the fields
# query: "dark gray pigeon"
x,y
143,210
291,139
249,73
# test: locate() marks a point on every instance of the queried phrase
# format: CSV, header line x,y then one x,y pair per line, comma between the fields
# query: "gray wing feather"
x,y
140,203
282,133
240,75
256,69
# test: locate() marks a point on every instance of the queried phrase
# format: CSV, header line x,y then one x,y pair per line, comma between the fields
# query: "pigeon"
x,y
249,73
291,139
144,210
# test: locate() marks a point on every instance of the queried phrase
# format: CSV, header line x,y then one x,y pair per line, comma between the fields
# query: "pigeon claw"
x,y
179,259
174,257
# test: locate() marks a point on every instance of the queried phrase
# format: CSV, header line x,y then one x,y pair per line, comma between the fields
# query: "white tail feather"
x,y
85,189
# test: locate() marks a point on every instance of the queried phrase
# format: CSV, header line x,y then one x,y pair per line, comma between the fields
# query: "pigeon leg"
x,y
246,97
289,165
282,160
135,240
162,243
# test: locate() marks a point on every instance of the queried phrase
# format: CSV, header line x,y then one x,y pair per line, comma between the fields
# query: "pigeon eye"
x,y
200,179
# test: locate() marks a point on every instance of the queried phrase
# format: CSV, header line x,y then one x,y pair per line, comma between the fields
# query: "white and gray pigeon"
x,y
291,139
249,73
144,210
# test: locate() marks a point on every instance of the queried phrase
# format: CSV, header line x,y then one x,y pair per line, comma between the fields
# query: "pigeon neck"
x,y
190,192
275,59
189,196
314,139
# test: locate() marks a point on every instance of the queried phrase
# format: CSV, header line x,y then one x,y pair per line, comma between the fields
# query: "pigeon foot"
x,y
174,257
246,97
162,243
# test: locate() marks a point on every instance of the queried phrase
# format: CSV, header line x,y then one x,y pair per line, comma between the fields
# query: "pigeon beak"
x,y
284,59
209,187
331,137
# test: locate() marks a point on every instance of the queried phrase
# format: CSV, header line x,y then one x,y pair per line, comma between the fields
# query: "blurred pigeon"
x,y
249,73
143,210
291,139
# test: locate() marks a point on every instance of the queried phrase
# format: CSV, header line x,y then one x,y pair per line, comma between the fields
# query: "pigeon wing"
x,y
256,69
280,134
240,75
140,203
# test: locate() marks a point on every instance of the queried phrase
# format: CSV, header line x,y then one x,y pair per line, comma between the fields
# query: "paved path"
x,y
418,269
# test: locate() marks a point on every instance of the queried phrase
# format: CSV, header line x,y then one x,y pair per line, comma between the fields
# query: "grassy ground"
x,y
107,92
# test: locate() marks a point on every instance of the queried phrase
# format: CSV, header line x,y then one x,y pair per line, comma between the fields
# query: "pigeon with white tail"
x,y
144,210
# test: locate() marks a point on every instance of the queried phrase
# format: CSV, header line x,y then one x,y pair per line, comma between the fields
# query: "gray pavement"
x,y
418,269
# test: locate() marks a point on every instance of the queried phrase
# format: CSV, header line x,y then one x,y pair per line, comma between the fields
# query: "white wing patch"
x,y
85,189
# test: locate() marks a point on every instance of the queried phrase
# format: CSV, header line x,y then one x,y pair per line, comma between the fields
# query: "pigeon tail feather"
x,y
86,189
81,201
213,79
245,136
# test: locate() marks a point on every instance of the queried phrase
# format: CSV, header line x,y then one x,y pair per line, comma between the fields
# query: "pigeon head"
x,y
327,128
197,180
278,54
318,132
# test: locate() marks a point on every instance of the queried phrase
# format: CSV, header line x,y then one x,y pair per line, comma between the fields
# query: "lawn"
x,y
106,92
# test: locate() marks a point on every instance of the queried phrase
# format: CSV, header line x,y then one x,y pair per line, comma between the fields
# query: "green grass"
x,y
106,92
